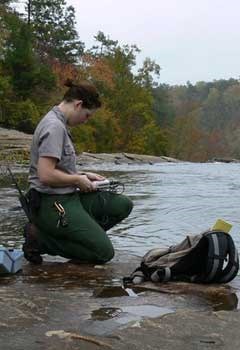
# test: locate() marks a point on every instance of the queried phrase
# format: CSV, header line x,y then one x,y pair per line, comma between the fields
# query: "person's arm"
x,y
50,176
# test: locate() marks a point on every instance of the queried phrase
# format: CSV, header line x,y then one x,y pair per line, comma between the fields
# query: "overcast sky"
x,y
191,40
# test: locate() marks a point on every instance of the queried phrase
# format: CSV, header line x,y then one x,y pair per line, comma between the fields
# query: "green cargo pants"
x,y
88,216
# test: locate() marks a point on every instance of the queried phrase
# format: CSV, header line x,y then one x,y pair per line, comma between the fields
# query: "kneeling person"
x,y
71,217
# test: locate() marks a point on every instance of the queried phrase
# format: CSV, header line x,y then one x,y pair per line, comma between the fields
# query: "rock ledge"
x,y
18,143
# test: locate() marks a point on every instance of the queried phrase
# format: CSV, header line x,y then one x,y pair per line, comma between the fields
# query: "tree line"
x,y
203,119
40,48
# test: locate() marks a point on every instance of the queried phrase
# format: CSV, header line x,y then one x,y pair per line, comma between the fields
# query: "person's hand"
x,y
84,184
95,177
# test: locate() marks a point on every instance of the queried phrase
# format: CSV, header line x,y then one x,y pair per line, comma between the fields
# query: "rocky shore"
x,y
13,142
59,305
122,158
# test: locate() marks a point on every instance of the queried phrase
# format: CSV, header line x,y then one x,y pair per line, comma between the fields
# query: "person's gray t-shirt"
x,y
51,139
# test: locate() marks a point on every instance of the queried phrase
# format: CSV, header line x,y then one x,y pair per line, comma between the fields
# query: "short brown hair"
x,y
84,91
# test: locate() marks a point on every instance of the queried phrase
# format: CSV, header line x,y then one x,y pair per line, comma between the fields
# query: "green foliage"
x,y
19,58
162,106
5,93
21,62
128,98
3,31
22,115
84,138
149,140
25,83
106,130
53,26
147,72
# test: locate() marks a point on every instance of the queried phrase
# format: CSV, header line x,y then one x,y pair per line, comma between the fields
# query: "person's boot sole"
x,y
30,246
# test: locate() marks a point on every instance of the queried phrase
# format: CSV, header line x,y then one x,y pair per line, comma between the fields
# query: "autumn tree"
x,y
129,96
187,140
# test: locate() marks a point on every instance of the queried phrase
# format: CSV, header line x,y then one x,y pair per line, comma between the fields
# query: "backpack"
x,y
209,257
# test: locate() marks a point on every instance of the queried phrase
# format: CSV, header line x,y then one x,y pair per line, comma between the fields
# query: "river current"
x,y
170,201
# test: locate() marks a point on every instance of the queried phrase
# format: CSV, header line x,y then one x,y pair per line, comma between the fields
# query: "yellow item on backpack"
x,y
222,226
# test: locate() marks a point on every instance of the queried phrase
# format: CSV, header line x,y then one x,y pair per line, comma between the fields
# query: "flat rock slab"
x,y
183,330
13,140
19,142
121,158
58,304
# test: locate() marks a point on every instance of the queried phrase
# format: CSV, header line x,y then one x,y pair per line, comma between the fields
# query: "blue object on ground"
x,y
10,260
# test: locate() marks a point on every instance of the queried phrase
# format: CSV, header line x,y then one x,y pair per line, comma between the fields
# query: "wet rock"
x,y
184,330
90,301
222,297
105,313
224,160
110,292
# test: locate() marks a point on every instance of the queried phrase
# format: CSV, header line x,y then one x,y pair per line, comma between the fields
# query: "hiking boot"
x,y
31,247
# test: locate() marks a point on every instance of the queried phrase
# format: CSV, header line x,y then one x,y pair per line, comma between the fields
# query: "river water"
x,y
170,201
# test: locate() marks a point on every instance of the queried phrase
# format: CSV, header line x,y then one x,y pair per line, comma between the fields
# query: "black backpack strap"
x,y
136,277
221,249
217,251
161,275
232,267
